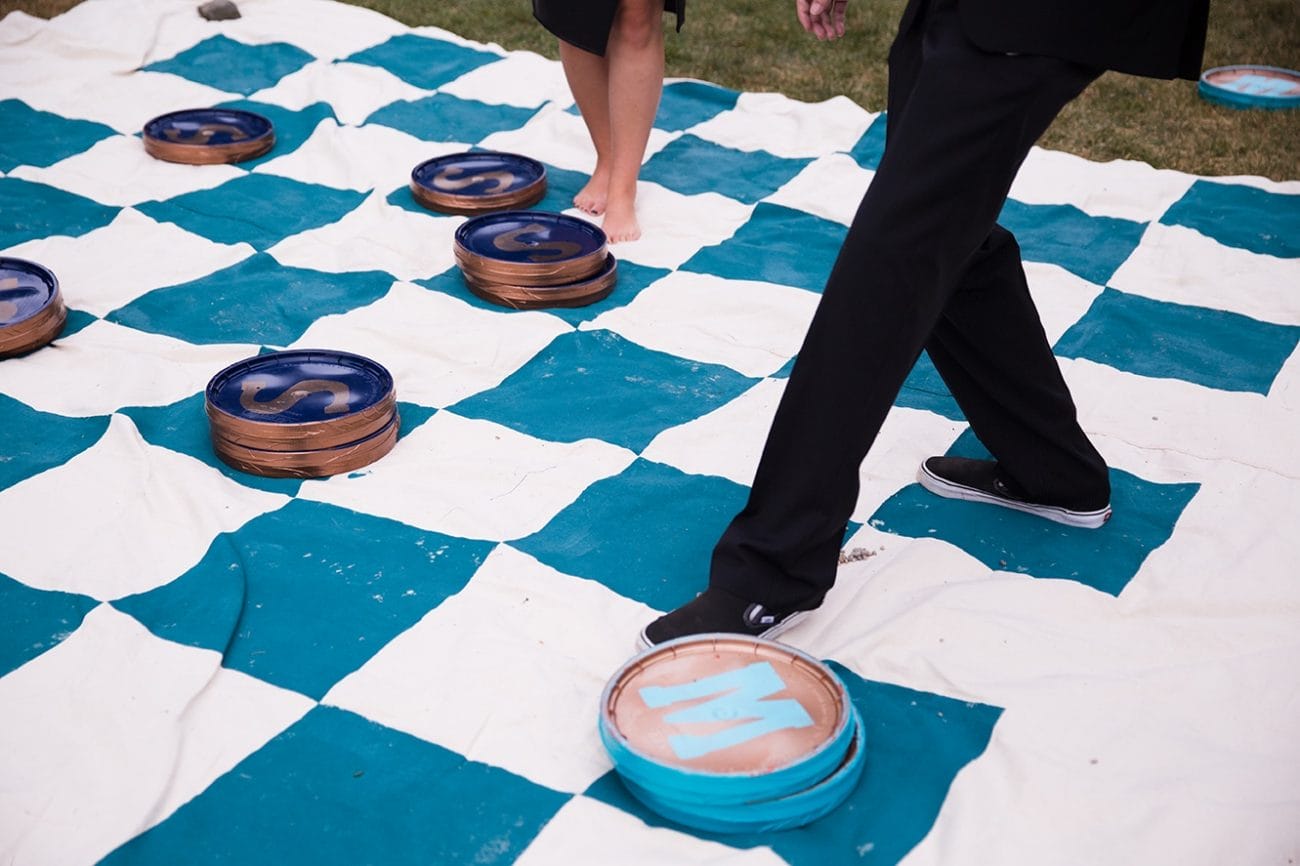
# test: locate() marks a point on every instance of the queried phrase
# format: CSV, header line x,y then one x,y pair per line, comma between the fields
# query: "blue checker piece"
x,y
303,596
1240,216
443,117
258,209
257,301
292,128
33,210
692,166
616,530
688,103
776,245
36,620
1105,559
596,384
32,441
1214,348
235,67
426,63
916,743
1093,247
338,790
40,139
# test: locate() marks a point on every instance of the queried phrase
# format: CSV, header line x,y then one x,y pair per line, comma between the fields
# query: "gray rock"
x,y
219,10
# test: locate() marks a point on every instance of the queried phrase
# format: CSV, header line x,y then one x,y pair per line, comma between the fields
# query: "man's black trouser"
x,y
924,265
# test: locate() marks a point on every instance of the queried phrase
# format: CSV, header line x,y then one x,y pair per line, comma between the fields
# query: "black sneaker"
x,y
980,481
716,610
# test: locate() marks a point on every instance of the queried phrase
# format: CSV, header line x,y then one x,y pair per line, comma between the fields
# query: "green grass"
x,y
757,45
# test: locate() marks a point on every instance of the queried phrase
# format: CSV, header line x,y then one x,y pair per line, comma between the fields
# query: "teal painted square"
x,y
258,209
561,186
40,139
595,384
292,128
1163,340
32,441
871,147
76,321
426,63
924,389
691,165
257,300
36,620
916,743
183,427
1239,216
235,67
1105,559
632,279
1092,247
776,245
443,117
689,103
303,596
338,790
29,211
647,533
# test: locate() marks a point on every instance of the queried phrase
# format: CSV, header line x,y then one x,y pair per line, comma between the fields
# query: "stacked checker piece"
x,y
509,255
732,734
31,306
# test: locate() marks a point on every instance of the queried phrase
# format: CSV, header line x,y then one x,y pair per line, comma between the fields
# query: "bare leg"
x,y
588,77
636,77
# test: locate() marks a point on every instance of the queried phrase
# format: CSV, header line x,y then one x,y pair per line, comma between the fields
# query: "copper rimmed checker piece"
x,y
579,294
299,400
31,306
529,248
208,136
478,182
316,463
719,721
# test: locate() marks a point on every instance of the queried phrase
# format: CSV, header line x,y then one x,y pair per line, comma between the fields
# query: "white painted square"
x,y
587,832
787,127
752,327
522,79
375,236
370,157
121,517
104,367
1122,188
508,671
112,266
439,349
907,437
118,171
473,479
336,30
675,227
123,102
1062,298
354,90
831,187
111,731
1178,264
560,138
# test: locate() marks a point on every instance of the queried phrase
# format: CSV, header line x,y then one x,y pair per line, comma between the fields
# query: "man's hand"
x,y
822,18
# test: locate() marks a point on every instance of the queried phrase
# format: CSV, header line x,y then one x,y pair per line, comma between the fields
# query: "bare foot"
x,y
620,222
593,197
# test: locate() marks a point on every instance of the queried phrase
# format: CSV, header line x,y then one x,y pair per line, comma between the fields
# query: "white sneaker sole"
x,y
643,643
943,487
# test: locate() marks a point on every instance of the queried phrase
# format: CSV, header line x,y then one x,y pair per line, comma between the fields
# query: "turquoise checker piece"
x,y
33,210
32,441
776,245
40,139
426,63
303,596
692,166
1163,340
443,117
1244,217
257,209
36,620
234,67
257,300
338,790
596,384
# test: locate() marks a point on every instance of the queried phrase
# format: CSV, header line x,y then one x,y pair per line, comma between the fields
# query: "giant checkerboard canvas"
x,y
401,665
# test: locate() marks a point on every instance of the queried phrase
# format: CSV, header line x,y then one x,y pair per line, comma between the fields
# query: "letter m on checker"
x,y
738,697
